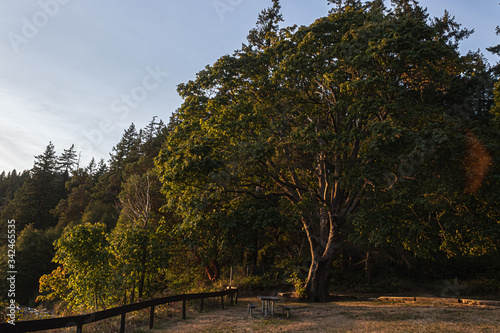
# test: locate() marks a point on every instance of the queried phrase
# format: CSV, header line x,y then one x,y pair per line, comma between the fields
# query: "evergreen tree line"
x,y
358,152
58,195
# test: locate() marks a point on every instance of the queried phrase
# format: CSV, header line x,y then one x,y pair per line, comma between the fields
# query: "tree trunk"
x,y
322,249
132,295
213,270
142,275
368,267
318,280
323,235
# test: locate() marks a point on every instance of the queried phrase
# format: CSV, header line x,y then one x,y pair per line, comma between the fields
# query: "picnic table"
x,y
268,304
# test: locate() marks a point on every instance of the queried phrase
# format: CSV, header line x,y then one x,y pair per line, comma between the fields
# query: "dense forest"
x,y
357,153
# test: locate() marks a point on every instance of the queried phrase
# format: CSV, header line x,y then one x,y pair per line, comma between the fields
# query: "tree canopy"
x,y
331,117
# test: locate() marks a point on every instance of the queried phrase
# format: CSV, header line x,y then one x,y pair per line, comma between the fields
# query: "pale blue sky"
x,y
80,71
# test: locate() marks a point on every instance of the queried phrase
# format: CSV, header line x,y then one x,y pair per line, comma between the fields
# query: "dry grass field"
x,y
349,315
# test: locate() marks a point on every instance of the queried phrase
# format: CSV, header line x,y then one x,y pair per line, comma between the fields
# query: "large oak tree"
x,y
320,115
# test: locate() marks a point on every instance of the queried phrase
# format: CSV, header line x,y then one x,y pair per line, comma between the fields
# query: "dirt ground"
x,y
343,315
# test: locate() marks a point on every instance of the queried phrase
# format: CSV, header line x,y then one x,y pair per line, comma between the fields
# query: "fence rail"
x,y
81,320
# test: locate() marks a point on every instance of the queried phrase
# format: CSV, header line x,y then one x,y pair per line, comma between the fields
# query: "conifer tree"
x,y
67,162
126,151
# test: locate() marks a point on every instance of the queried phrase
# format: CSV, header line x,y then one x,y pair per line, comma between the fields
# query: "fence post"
x,y
151,317
122,323
184,309
80,321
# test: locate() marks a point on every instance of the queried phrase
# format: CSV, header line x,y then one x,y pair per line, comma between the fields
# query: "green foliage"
x,y
126,151
70,210
138,254
33,255
39,193
83,252
9,184
129,244
299,285
183,273
489,287
351,113
264,282
53,286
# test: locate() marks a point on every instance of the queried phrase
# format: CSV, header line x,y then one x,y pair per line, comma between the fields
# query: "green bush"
x,y
299,285
483,287
266,281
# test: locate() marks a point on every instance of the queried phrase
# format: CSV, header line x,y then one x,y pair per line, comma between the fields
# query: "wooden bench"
x,y
285,309
251,306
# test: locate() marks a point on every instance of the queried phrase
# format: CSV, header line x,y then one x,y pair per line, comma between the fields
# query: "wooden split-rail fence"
x,y
81,320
